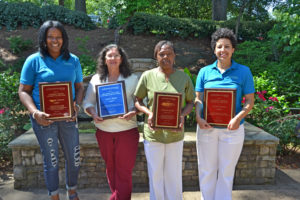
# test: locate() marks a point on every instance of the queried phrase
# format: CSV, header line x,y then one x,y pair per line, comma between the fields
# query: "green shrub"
x,y
27,14
250,30
18,44
162,25
186,27
10,103
88,64
12,112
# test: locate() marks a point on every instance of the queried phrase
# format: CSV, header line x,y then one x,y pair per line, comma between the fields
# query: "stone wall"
x,y
256,164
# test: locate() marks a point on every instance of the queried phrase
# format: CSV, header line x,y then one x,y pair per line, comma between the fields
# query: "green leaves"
x,y
17,44
27,14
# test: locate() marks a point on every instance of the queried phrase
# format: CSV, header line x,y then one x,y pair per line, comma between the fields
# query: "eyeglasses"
x,y
112,56
53,38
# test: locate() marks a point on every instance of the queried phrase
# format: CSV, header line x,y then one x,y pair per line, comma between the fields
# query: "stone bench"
x,y
256,164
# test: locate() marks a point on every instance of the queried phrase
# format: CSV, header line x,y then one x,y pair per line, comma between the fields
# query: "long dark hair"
x,y
102,69
43,38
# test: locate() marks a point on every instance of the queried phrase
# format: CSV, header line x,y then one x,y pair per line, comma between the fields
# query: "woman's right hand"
x,y
203,123
97,119
41,119
150,120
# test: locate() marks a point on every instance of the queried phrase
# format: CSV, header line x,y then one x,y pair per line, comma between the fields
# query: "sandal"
x,y
72,196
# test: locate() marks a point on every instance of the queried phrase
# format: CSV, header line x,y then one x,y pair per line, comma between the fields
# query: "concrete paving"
x,y
287,187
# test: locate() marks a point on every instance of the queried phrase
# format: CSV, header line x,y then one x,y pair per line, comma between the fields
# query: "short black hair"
x,y
223,33
161,43
43,38
102,69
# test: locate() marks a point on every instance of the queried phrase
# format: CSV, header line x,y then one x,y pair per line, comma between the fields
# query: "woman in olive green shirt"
x,y
163,147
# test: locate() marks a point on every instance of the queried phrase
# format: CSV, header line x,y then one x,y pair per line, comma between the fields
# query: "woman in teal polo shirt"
x,y
54,63
163,148
219,149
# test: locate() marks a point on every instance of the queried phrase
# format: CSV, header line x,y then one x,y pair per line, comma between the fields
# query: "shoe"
x,y
72,196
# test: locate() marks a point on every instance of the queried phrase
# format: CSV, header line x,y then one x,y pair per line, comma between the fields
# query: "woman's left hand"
x,y
128,115
76,111
233,124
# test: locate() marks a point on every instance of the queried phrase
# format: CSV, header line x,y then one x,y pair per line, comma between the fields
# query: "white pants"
x,y
164,162
218,152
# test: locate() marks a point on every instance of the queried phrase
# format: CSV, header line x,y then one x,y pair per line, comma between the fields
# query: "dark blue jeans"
x,y
67,135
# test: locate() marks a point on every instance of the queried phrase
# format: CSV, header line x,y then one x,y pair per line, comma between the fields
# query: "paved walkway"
x,y
287,187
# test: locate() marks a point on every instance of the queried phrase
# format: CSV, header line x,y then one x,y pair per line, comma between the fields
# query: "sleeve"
x,y
79,76
189,90
141,89
134,83
200,81
27,73
248,85
90,95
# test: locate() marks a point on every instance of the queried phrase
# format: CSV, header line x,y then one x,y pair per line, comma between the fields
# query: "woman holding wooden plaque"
x,y
220,114
163,142
61,92
117,132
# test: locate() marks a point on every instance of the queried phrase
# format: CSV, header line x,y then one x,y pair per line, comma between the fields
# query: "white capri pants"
x,y
218,152
164,162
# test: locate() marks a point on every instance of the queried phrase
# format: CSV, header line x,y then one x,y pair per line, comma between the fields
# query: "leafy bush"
x,y
12,112
186,27
18,44
270,113
87,62
11,106
27,14
250,30
162,25
273,73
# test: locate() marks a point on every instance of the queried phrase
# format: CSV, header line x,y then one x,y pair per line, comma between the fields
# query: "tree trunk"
x,y
80,5
61,2
219,10
239,18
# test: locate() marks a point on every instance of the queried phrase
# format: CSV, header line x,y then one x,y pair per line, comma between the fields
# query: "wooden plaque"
x,y
167,110
57,100
111,99
219,106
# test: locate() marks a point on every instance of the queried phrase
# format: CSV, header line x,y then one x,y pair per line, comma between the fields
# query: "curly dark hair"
x,y
102,69
43,38
161,43
223,33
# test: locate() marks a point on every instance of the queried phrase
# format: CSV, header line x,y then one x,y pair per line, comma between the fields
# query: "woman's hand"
x,y
150,121
203,123
233,124
97,119
76,111
128,115
40,118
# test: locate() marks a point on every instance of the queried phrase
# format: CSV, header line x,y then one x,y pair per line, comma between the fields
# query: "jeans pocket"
x,y
69,124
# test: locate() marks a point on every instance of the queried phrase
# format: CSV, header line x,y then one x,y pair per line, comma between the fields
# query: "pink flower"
x,y
2,111
273,99
261,95
269,108
244,100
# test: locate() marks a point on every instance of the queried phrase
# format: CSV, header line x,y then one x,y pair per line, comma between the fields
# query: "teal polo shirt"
x,y
38,69
237,76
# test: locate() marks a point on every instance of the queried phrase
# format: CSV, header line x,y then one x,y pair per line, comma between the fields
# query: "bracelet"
x,y
78,106
33,114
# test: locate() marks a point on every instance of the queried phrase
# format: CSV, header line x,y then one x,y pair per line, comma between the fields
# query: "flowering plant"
x,y
12,115
270,113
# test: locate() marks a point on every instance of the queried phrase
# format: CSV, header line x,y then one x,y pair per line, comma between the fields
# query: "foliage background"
x,y
269,45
